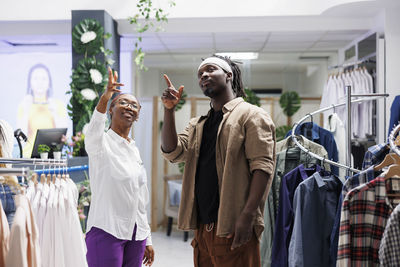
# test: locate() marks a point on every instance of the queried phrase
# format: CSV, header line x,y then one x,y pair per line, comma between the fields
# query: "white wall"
x,y
392,38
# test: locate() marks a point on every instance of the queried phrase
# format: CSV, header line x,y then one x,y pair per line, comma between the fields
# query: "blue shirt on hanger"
x,y
316,204
285,218
320,136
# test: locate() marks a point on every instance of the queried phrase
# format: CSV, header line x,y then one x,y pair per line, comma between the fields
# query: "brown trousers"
x,y
213,251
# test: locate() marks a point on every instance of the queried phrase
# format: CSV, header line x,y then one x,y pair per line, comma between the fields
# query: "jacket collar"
x,y
314,131
231,105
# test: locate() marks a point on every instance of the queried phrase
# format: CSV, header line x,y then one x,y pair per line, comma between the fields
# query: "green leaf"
x,y
290,102
251,97
92,47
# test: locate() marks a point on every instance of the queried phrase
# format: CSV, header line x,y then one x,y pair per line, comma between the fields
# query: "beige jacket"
x,y
4,236
24,239
245,142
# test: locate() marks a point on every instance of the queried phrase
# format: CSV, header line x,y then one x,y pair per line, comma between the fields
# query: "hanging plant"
x,y
147,17
90,74
87,37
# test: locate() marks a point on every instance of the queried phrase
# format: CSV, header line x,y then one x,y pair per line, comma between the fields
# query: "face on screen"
x,y
39,82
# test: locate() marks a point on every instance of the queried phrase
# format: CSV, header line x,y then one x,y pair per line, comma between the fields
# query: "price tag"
x,y
395,185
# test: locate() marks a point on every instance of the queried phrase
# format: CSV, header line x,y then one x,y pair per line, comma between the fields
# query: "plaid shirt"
x,y
389,251
375,155
365,212
358,179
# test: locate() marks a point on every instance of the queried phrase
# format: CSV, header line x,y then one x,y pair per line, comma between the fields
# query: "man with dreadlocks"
x,y
229,157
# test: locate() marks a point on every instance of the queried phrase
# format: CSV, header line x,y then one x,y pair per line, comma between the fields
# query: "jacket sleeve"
x,y
179,153
260,142
95,133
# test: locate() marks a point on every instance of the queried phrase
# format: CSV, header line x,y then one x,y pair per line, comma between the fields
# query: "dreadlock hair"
x,y
237,84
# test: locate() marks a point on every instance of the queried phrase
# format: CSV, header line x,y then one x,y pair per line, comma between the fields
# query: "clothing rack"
x,y
14,161
62,170
366,97
14,171
349,64
392,138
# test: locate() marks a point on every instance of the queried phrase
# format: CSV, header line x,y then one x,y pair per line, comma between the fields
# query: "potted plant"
x,y
56,148
43,150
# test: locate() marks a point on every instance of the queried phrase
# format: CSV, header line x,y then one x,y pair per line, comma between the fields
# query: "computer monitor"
x,y
48,137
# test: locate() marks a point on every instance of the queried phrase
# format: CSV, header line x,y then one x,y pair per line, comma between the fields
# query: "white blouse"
x,y
118,183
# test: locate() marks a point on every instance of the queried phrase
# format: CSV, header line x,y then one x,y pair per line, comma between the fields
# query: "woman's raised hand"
x,y
112,83
171,96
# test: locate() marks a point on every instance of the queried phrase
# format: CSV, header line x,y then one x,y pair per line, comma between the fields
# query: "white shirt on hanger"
x,y
47,245
74,243
59,226
116,180
335,125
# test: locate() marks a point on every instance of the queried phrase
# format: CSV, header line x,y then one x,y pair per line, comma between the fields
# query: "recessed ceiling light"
x,y
239,55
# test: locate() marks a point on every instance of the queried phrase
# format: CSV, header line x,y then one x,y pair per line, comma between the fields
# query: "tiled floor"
x,y
172,251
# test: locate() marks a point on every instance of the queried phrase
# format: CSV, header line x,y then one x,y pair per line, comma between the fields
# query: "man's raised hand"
x,y
171,96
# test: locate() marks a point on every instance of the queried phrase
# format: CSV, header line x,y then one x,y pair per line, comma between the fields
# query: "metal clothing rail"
x,y
56,162
14,171
349,64
392,138
62,170
368,97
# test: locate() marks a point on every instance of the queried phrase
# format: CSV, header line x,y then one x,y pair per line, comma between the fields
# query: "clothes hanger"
x,y
393,172
59,172
54,174
48,180
43,177
397,140
63,173
34,176
390,159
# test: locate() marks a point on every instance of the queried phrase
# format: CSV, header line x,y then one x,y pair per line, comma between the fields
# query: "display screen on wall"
x,y
367,46
32,92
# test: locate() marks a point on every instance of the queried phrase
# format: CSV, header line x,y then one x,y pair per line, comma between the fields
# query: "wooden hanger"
x,y
54,178
393,172
390,159
35,178
48,180
42,178
397,141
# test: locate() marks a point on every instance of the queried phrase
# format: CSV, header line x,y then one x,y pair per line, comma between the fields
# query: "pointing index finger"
x,y
168,81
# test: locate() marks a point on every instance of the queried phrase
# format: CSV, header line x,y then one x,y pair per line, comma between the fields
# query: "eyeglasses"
x,y
129,104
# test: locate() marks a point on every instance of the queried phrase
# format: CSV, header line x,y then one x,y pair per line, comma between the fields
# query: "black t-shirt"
x,y
206,187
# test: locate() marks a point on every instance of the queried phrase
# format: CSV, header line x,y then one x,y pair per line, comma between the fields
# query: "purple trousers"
x,y
105,250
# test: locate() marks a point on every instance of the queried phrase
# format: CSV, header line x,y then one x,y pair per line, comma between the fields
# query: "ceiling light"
x,y
239,55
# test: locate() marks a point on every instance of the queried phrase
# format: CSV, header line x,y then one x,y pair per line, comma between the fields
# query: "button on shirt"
x,y
118,183
316,203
